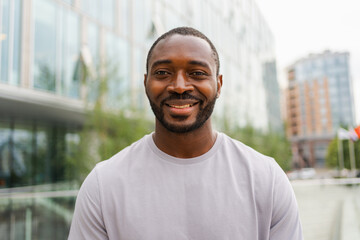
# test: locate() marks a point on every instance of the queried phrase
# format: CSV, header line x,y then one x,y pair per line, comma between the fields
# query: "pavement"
x,y
329,208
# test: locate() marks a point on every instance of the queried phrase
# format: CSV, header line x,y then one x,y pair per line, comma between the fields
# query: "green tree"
x,y
105,131
270,143
332,160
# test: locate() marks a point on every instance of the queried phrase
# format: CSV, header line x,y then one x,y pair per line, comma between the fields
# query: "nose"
x,y
180,84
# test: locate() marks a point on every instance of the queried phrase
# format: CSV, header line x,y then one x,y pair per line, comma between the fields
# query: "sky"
x,y
301,27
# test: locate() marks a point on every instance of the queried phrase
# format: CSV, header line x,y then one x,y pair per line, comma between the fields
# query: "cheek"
x,y
209,89
155,89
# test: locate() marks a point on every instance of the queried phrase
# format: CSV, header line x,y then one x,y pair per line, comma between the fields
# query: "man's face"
x,y
181,83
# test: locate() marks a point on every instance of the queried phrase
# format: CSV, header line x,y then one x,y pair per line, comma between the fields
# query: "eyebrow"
x,y
199,63
167,61
159,62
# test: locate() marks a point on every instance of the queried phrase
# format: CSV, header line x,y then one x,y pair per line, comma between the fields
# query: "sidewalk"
x,y
350,227
328,211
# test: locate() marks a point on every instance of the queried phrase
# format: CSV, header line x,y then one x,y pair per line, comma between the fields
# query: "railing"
x,y
36,212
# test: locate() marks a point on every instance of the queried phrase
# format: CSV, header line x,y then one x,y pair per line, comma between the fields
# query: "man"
x,y
185,180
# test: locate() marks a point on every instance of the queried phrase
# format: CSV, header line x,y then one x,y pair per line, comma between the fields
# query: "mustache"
x,y
177,96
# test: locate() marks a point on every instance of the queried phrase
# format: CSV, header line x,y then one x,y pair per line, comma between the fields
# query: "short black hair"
x,y
185,31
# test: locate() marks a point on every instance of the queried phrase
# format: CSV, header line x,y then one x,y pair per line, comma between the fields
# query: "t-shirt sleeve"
x,y
285,223
87,222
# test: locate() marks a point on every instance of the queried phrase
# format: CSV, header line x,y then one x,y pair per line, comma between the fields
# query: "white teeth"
x,y
182,106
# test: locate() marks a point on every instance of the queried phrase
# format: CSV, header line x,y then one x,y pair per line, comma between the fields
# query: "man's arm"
x,y
285,223
87,222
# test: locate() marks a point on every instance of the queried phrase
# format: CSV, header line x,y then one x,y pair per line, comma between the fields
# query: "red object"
x,y
357,130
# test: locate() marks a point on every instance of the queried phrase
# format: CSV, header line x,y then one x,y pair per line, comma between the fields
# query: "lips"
x,y
177,108
181,106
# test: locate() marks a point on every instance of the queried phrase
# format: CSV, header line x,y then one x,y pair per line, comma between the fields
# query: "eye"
x,y
198,74
161,73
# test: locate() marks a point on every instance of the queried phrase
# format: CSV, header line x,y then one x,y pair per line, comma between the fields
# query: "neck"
x,y
185,145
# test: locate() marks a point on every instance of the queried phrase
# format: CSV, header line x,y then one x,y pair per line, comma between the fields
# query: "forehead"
x,y
183,48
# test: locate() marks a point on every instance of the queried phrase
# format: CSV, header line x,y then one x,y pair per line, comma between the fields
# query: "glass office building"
x,y
44,96
319,101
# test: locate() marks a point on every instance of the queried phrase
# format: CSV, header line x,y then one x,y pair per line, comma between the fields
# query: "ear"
x,y
219,83
145,77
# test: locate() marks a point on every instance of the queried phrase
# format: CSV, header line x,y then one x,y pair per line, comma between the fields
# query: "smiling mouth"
x,y
181,106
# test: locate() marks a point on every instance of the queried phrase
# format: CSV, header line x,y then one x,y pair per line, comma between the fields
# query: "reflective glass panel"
x,y
4,154
4,40
91,7
68,1
139,21
93,44
15,155
20,146
39,215
72,141
41,164
124,17
44,45
118,71
70,81
16,48
107,8
139,73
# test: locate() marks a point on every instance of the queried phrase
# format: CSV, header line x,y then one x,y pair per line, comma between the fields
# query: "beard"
x,y
202,116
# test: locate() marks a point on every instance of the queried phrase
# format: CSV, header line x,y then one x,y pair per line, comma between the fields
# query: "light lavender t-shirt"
x,y
230,192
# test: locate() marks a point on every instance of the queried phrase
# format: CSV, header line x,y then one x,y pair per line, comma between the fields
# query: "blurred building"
x,y
44,94
272,96
319,101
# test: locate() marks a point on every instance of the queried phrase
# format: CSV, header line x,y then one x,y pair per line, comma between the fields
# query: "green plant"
x,y
332,157
106,131
270,143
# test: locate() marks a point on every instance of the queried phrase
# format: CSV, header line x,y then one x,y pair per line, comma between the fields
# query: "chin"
x,y
181,128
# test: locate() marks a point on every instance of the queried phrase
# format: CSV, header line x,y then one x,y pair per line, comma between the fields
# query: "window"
x,y
56,49
107,12
139,64
91,8
44,45
68,1
10,18
5,168
124,17
70,82
93,44
139,20
20,144
15,70
117,65
4,38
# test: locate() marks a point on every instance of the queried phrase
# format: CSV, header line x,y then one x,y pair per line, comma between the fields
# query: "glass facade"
x,y
117,55
335,68
56,49
57,53
325,102
4,37
35,201
45,48
10,34
36,216
33,153
92,80
70,80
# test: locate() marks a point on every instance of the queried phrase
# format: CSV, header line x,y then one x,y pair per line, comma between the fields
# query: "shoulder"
x,y
261,170
246,154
